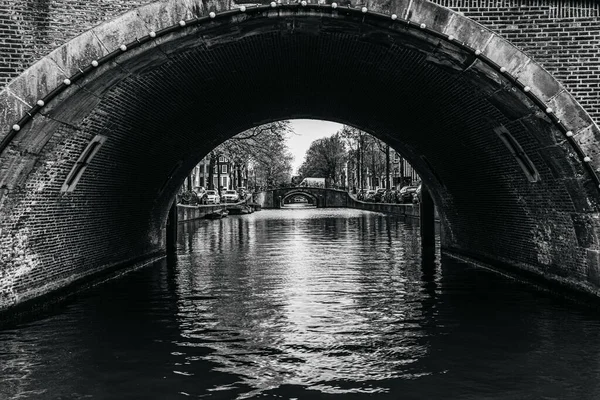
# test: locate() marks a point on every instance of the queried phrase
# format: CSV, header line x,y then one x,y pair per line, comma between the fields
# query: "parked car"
x,y
378,196
230,196
391,196
212,197
406,194
369,195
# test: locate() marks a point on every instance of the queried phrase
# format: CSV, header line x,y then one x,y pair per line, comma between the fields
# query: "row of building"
x,y
227,175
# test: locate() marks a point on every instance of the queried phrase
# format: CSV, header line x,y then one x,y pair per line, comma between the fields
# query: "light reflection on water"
x,y
307,303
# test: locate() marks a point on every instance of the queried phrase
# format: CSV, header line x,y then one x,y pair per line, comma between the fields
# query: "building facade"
x,y
226,174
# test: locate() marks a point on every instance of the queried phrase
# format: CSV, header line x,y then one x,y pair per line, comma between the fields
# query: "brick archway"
x,y
303,193
99,134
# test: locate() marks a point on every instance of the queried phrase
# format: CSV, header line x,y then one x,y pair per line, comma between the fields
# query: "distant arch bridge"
x,y
321,197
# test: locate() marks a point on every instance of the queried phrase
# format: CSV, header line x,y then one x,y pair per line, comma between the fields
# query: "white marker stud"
x,y
94,63
333,5
527,89
212,14
394,17
423,26
67,81
182,23
242,9
123,47
152,34
273,4
587,159
364,10
41,103
16,127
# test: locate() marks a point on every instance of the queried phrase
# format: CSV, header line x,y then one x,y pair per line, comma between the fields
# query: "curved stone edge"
x,y
53,70
47,74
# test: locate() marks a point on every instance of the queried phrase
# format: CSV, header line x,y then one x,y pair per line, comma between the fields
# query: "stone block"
x,y
175,43
39,80
122,30
15,169
512,103
542,84
450,57
572,115
503,53
71,106
163,14
34,136
12,110
467,31
430,14
400,8
143,58
78,53
589,139
103,78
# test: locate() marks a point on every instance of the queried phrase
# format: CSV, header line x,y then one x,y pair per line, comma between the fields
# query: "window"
x,y
201,169
517,151
224,181
84,159
224,168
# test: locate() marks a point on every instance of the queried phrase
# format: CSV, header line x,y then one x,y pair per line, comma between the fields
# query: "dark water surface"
x,y
311,303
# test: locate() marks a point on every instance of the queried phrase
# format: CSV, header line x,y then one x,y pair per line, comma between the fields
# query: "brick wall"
x,y
162,107
562,35
30,29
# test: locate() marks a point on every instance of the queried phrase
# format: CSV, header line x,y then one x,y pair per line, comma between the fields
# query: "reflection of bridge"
x,y
321,197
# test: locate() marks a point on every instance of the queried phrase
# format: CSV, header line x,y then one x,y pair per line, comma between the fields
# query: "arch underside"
x,y
165,105
310,197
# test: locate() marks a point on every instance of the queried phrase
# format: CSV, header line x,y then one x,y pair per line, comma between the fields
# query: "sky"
x,y
308,130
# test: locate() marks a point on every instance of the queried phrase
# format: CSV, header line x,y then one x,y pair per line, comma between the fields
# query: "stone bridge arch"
x,y
299,192
97,136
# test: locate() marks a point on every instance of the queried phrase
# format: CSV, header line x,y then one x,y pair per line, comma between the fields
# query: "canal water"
x,y
305,304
